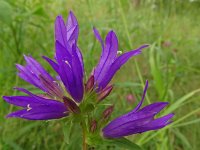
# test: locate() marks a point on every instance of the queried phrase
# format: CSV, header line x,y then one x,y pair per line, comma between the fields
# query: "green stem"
x,y
130,44
84,145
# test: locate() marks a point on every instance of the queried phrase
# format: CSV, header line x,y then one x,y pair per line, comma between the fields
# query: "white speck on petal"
x,y
68,63
119,52
28,107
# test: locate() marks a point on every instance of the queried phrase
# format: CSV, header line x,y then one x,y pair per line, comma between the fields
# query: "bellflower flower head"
x,y
68,65
109,62
69,62
38,107
138,120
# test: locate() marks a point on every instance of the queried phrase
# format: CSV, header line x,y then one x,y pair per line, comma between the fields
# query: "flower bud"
x,y
71,105
130,98
104,93
107,112
90,84
93,126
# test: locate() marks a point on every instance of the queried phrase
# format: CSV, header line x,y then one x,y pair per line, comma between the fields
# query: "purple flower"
x,y
69,62
68,65
36,75
138,120
109,62
36,107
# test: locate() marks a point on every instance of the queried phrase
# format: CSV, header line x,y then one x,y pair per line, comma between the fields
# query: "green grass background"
x,y
171,64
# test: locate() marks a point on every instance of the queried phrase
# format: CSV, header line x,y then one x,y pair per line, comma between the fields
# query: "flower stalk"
x,y
84,143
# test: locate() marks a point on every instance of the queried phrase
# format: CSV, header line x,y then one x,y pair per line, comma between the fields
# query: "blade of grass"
x,y
179,102
130,45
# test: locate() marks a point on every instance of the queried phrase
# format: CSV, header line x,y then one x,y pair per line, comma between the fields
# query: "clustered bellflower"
x,y
64,94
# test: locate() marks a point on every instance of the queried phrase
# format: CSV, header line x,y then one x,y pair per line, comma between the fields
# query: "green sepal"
x,y
87,108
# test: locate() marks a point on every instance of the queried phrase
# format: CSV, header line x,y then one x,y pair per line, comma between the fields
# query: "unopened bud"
x,y
107,112
93,126
130,98
105,92
90,84
71,105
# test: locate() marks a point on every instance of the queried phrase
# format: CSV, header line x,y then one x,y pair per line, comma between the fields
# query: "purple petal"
x,y
21,101
41,112
60,31
25,91
66,74
155,107
27,75
70,70
39,98
117,64
125,128
127,119
62,53
137,126
32,100
154,125
52,63
35,67
147,112
143,96
72,35
137,119
72,27
80,59
71,21
77,71
53,88
98,36
71,81
35,74
32,71
36,107
109,54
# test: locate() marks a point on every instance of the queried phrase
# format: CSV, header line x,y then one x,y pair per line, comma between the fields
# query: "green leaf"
x,y
187,123
97,140
154,61
183,138
13,144
67,130
178,103
25,130
40,11
5,12
123,143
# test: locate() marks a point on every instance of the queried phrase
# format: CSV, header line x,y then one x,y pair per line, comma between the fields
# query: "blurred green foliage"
x,y
171,64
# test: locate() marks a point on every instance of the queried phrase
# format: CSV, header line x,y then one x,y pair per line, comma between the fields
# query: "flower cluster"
x,y
67,94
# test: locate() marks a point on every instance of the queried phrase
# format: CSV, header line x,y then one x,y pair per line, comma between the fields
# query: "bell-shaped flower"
x,y
35,74
110,62
69,62
138,120
36,107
